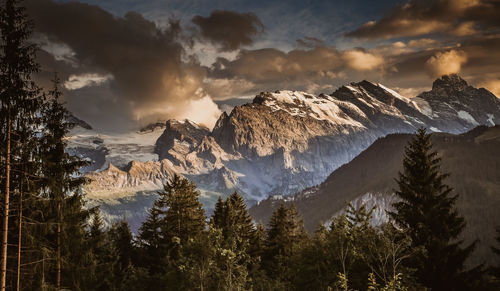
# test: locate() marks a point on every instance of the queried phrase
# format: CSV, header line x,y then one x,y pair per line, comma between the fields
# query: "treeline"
x,y
177,248
50,241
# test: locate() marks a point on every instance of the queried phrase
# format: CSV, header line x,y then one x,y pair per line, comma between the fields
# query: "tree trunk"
x,y
58,245
6,203
19,239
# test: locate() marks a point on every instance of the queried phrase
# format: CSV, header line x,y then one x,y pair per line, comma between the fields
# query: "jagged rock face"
x,y
456,107
286,141
178,139
280,120
136,176
77,122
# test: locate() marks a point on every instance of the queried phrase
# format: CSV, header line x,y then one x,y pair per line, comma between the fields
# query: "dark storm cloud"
x,y
455,17
229,29
146,63
273,65
476,58
403,65
317,69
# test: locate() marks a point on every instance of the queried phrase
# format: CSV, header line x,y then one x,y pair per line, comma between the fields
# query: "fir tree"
x,y
19,104
61,200
122,240
126,274
152,241
285,236
427,213
171,233
102,262
233,219
184,217
232,245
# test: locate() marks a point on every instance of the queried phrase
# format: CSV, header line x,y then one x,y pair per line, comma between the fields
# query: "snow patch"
x,y
467,117
423,106
319,108
395,94
490,119
353,89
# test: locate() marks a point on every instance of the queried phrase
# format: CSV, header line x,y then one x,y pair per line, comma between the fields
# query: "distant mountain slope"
x,y
472,158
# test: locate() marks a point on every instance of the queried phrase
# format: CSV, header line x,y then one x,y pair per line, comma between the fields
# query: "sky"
x,y
127,63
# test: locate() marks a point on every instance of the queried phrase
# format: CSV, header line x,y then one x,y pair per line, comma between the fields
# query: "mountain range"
x,y
472,159
278,144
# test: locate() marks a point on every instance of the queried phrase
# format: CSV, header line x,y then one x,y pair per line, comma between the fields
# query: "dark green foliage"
x,y
20,104
235,234
184,217
284,238
427,213
172,237
349,252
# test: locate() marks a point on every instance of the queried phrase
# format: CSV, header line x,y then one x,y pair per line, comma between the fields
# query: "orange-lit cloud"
x,y
416,18
362,61
443,63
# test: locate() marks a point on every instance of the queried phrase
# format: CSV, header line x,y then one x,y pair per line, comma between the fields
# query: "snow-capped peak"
x,y
302,104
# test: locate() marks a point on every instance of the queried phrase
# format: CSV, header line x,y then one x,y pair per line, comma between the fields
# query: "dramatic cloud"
x,y
229,88
272,69
456,17
149,77
272,65
79,81
122,70
464,29
229,29
362,61
445,63
492,85
317,69
421,43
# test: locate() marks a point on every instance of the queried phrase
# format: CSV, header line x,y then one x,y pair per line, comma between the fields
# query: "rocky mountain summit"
x,y
452,97
286,141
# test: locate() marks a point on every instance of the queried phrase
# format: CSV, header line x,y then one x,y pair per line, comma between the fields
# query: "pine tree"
x,y
233,219
126,275
170,236
285,236
219,216
184,217
153,242
184,226
314,270
236,228
18,101
103,257
122,239
427,213
64,214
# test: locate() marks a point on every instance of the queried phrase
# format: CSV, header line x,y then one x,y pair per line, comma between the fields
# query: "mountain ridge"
x,y
286,141
472,159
